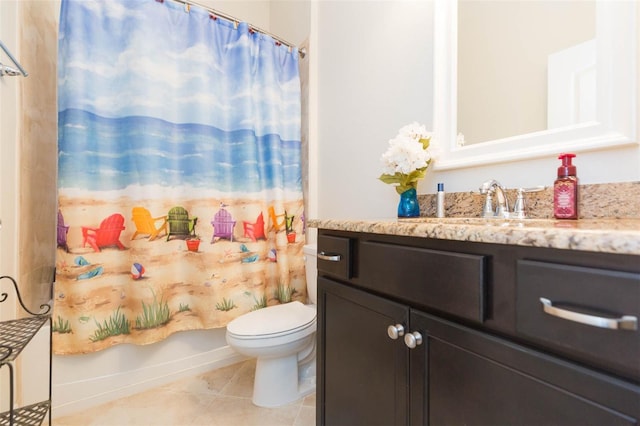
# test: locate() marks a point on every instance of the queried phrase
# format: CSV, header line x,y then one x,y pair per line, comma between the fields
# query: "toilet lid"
x,y
273,320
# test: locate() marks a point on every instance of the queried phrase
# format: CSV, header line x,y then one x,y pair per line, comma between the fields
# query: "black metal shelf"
x,y
30,415
15,335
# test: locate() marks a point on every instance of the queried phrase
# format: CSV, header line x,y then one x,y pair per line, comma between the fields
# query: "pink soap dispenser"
x,y
565,190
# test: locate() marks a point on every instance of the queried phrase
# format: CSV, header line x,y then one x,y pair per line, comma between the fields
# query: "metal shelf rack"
x,y
15,335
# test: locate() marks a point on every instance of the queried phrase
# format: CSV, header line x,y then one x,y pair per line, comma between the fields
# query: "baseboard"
x,y
76,395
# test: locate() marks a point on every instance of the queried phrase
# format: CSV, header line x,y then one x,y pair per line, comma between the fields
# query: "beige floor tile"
x,y
226,411
148,408
241,384
306,416
309,400
220,397
210,383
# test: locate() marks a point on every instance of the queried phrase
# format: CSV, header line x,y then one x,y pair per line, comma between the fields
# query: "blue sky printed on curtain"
x,y
192,110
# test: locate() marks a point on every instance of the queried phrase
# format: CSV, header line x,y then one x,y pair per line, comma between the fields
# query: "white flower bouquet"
x,y
407,158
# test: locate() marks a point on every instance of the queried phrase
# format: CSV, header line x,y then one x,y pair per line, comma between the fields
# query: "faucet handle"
x,y
487,210
519,207
533,189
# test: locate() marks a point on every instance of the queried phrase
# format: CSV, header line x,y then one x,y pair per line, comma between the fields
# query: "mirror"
x,y
595,112
520,69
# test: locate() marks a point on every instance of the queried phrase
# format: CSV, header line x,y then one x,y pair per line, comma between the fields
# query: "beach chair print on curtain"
x,y
255,230
108,234
63,230
289,222
277,220
223,225
180,224
146,225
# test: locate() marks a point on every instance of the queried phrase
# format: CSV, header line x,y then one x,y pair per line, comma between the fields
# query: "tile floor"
x,y
220,397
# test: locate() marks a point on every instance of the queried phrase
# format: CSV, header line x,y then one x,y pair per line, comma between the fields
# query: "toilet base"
x,y
276,382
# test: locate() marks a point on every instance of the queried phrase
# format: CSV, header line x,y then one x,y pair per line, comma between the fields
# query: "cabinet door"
x,y
362,372
473,378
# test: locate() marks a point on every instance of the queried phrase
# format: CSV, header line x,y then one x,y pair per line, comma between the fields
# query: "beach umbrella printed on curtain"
x,y
179,175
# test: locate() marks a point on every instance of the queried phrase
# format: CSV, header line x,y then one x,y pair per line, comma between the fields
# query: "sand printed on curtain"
x,y
179,182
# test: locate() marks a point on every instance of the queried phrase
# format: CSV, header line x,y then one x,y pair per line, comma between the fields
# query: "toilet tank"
x,y
311,265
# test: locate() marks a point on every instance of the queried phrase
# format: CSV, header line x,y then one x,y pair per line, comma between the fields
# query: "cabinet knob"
x,y
413,339
395,331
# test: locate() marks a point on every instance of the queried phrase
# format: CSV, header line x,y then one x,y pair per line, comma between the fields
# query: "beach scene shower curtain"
x,y
179,173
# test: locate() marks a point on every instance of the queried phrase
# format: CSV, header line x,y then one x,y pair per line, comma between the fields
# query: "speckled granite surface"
x,y
611,200
609,223
600,235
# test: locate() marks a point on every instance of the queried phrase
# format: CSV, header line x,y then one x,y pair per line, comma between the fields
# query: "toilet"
x,y
283,339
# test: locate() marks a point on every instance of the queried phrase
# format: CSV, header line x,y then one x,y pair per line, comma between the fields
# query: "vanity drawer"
x,y
449,282
334,256
585,313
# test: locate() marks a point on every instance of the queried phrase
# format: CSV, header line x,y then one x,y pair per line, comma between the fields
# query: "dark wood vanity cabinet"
x,y
394,349
363,372
473,378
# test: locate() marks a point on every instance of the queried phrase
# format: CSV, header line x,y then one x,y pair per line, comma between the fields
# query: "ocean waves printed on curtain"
x,y
172,125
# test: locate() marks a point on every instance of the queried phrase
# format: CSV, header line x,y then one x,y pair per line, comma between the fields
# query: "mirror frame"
x,y
615,124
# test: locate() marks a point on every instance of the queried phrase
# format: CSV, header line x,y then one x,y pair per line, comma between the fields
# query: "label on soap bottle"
x,y
564,199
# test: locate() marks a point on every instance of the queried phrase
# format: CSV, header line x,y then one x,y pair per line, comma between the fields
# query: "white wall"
x,y
256,12
289,20
374,70
9,103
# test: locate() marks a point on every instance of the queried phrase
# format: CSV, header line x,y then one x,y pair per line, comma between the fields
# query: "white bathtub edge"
x,y
73,396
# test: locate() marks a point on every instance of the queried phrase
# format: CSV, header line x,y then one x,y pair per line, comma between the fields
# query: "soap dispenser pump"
x,y
565,190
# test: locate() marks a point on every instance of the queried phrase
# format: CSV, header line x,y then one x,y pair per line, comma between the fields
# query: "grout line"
x,y
235,378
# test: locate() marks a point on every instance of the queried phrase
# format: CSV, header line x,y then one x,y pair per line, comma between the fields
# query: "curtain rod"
x,y
188,3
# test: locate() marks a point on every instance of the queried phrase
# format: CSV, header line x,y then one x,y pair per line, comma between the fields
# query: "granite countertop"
x,y
621,236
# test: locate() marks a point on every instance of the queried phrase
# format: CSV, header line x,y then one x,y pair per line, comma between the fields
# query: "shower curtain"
x,y
179,175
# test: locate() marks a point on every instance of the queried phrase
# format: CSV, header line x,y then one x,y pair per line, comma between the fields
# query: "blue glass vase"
x,y
408,206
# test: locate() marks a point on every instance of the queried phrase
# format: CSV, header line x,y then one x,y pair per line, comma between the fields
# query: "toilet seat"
x,y
273,321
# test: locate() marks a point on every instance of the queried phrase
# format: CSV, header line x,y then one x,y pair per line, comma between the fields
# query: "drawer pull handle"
x,y
330,257
626,322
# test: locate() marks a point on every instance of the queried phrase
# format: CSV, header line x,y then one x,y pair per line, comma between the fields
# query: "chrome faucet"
x,y
502,206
